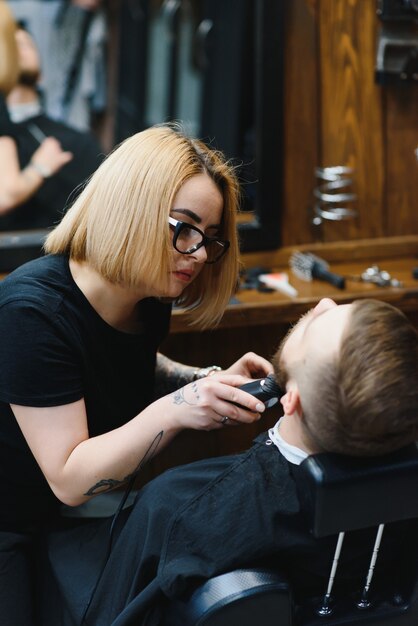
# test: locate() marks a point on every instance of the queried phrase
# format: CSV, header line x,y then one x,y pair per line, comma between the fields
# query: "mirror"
x,y
216,67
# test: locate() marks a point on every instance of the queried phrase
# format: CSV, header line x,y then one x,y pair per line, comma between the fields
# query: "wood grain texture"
x,y
360,249
301,116
351,110
336,114
401,200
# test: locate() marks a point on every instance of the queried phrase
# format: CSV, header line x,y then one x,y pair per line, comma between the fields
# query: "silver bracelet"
x,y
206,371
42,170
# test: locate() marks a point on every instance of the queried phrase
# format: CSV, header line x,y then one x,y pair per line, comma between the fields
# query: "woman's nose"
x,y
200,254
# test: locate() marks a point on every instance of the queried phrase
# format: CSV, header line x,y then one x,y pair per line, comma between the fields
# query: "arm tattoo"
x,y
178,396
170,375
107,484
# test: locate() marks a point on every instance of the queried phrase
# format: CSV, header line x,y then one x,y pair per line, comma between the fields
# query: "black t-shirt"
x,y
55,349
6,126
47,205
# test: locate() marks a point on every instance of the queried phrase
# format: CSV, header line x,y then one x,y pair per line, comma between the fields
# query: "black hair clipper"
x,y
265,389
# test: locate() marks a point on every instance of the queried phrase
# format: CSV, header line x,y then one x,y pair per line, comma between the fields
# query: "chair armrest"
x,y
247,597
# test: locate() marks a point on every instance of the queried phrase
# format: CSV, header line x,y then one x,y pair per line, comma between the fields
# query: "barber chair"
x,y
344,494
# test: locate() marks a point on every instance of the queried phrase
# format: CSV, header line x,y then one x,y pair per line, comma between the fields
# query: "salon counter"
x,y
252,308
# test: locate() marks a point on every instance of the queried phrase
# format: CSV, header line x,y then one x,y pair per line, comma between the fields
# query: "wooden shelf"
x,y
398,256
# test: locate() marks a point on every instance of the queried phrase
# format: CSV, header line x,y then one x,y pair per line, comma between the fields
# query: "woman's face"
x,y
199,203
29,61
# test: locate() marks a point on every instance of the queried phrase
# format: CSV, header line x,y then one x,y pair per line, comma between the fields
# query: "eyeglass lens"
x,y
189,240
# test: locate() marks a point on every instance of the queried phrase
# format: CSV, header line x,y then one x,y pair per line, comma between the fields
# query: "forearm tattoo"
x,y
107,484
170,375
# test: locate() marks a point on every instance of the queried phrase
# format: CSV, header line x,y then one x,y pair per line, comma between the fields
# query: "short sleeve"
x,y
39,364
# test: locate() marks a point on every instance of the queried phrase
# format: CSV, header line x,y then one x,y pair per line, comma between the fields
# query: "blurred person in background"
x,y
18,184
31,127
71,37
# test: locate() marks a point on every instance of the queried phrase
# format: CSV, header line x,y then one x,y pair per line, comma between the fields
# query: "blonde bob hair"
x,y
119,222
9,62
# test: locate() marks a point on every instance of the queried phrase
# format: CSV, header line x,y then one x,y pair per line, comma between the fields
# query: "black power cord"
x,y
147,457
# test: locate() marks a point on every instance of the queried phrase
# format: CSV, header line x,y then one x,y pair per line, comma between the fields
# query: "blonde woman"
x,y
81,327
16,184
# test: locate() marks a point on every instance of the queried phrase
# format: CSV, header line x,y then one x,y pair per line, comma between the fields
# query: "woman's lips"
x,y
183,275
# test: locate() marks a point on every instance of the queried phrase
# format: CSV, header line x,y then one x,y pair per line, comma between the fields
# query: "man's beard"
x,y
280,371
29,78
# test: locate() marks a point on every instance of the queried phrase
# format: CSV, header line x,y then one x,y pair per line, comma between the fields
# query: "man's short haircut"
x,y
119,223
364,401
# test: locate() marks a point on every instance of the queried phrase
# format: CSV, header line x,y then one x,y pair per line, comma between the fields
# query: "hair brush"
x,y
307,266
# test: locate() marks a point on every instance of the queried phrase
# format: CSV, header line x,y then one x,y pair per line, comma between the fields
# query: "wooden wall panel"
x,y
336,114
223,346
351,109
401,205
301,118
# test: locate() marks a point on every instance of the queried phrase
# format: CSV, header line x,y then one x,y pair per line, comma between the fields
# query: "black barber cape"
x,y
187,525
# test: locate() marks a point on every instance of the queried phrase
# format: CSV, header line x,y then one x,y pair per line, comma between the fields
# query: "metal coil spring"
x,y
328,198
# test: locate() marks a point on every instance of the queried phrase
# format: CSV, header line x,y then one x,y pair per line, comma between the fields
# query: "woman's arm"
x,y
170,375
17,185
78,467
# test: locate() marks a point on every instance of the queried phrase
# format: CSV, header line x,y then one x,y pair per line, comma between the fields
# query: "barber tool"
x,y
251,280
265,389
307,266
375,275
278,281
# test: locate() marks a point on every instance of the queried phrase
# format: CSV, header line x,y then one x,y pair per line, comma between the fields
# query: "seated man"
x,y
350,378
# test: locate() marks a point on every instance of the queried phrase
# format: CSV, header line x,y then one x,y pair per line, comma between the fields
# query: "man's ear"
x,y
291,400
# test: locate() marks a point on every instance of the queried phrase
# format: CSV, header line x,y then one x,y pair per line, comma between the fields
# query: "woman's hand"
x,y
50,156
204,404
16,185
251,365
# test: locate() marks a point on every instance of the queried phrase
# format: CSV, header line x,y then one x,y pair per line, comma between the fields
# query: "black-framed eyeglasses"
x,y
187,239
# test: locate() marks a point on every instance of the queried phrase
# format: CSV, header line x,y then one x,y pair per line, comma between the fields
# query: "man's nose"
x,y
324,305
